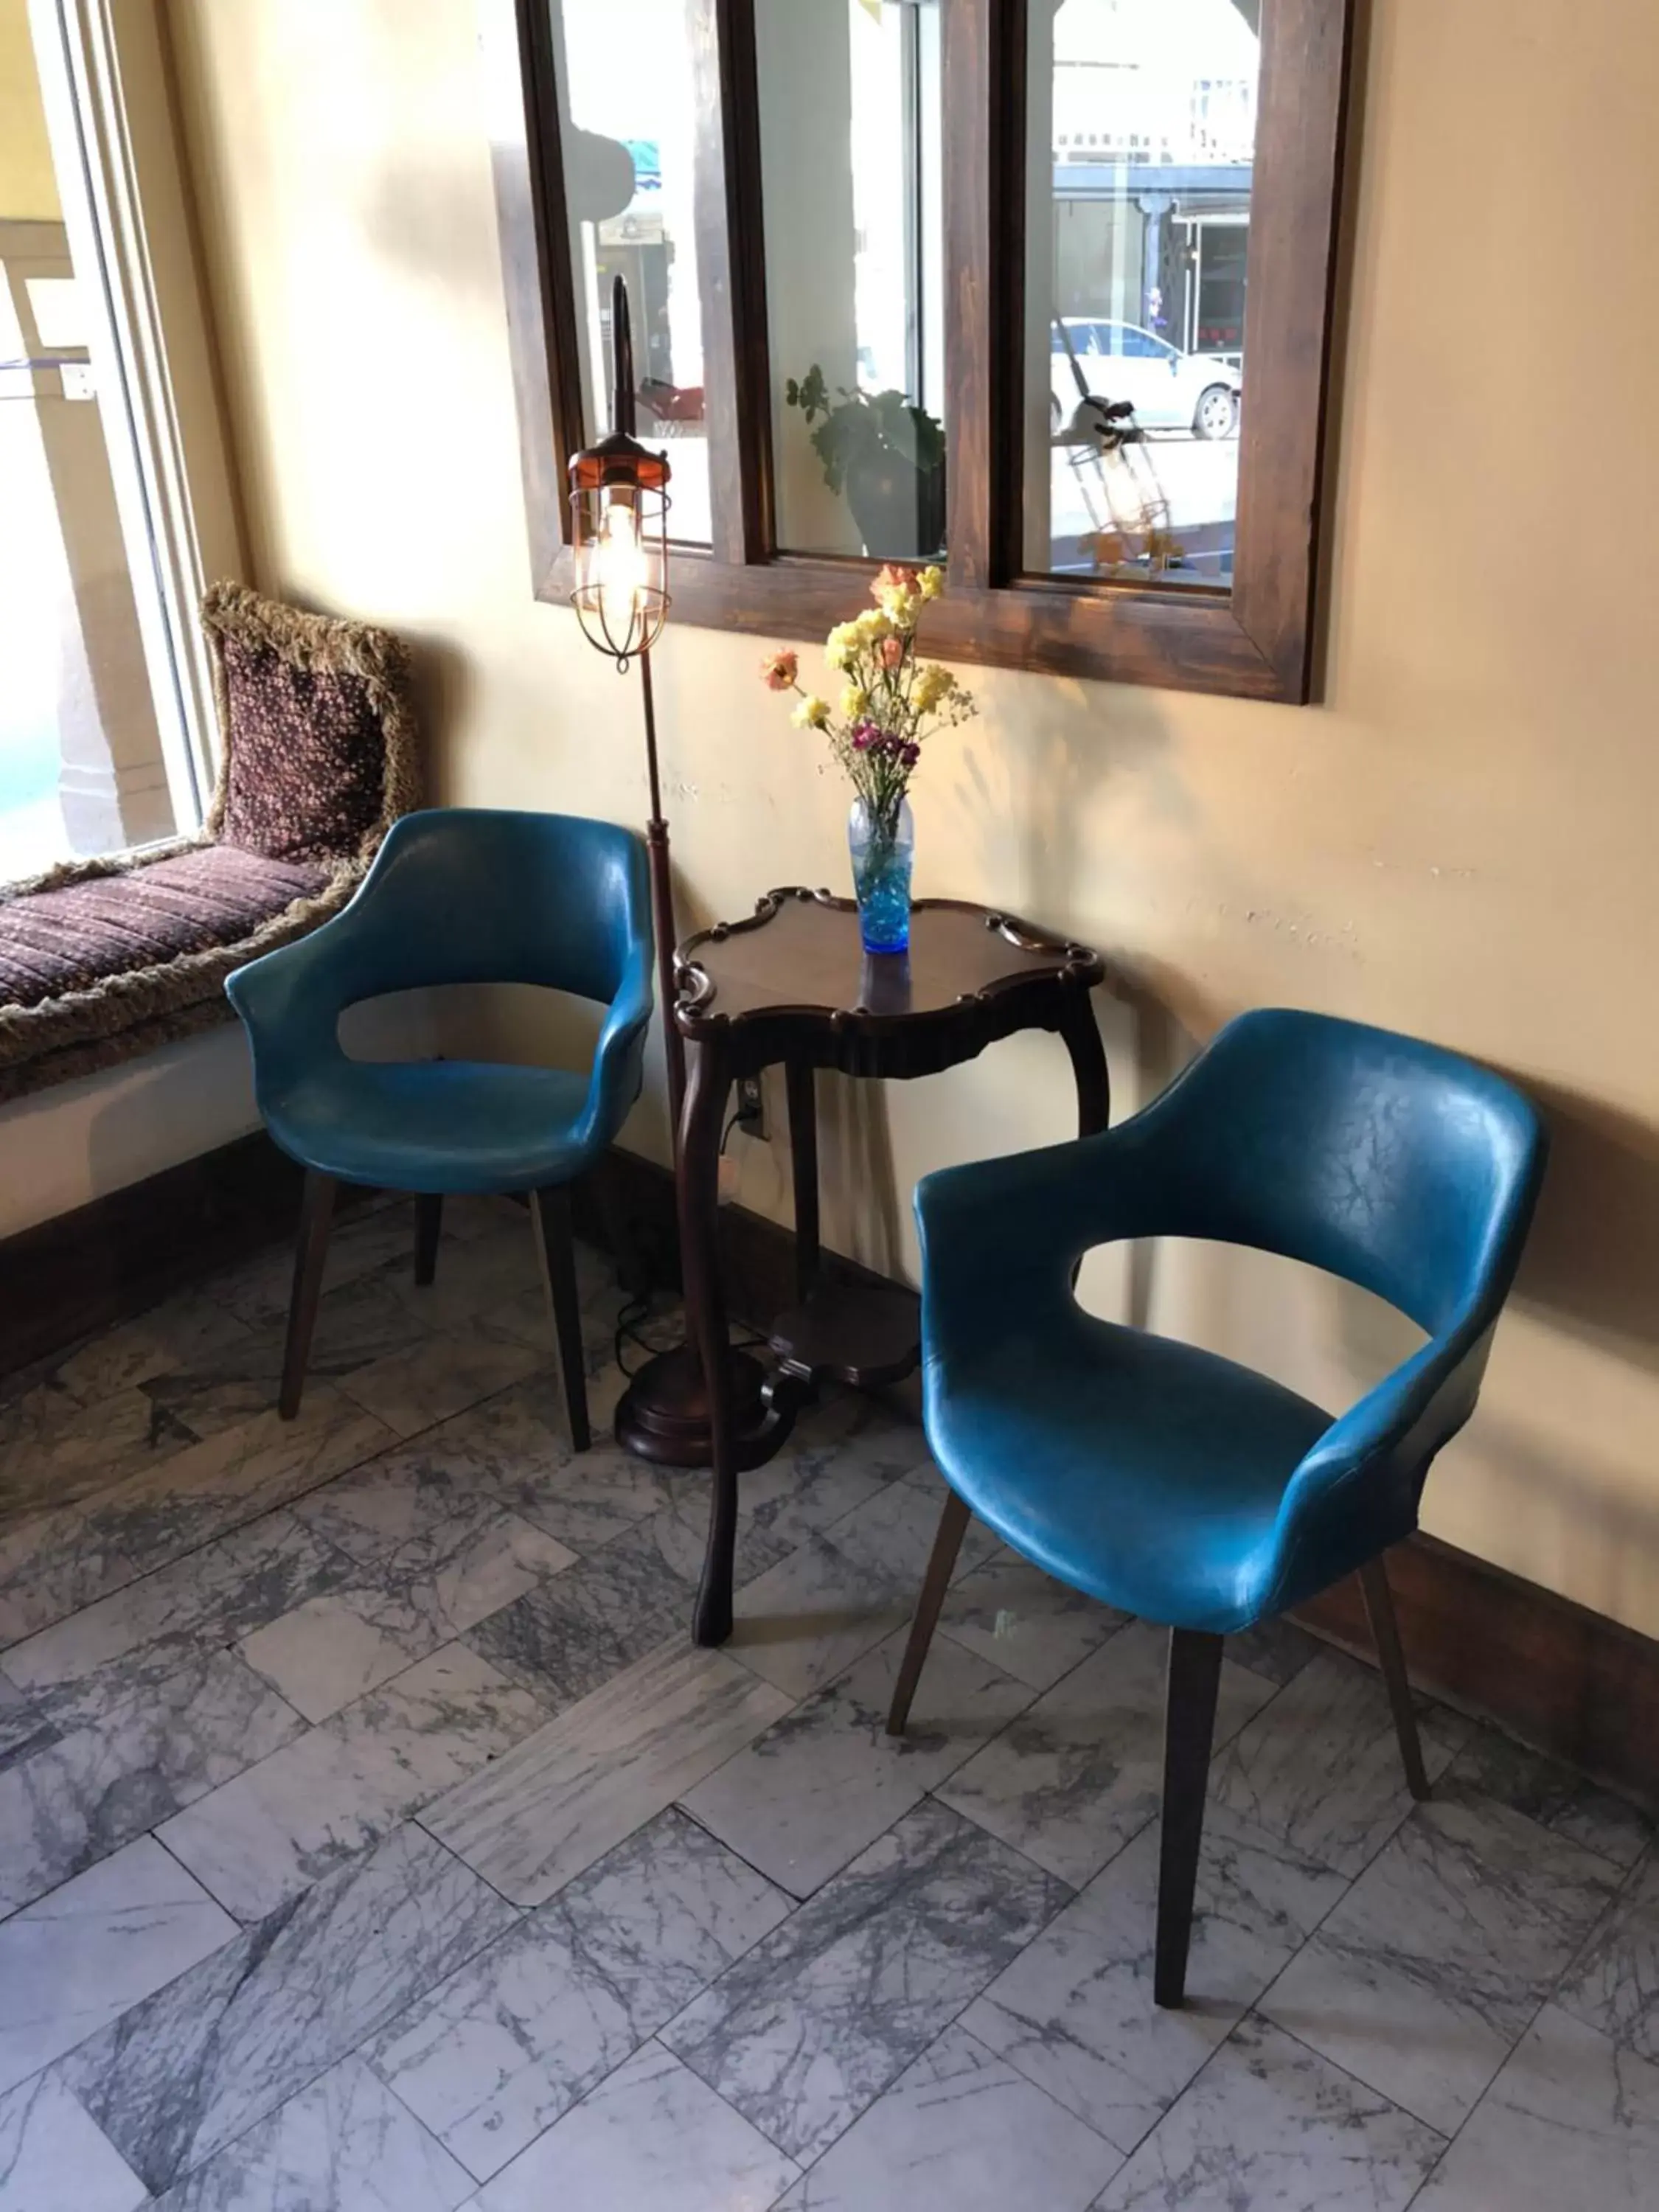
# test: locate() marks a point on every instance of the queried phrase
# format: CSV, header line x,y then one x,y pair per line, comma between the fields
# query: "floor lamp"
x,y
619,533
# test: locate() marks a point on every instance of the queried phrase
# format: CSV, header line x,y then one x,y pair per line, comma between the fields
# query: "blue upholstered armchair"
x,y
1162,1478
457,895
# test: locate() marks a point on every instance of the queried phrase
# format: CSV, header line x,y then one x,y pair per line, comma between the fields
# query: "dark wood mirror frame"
x,y
1254,640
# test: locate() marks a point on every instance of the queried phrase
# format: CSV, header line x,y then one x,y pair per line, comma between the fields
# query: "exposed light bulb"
x,y
621,565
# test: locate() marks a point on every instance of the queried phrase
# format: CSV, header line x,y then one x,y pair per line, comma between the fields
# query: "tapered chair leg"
x,y
1188,1732
316,1216
1385,1634
550,1211
429,1227
953,1526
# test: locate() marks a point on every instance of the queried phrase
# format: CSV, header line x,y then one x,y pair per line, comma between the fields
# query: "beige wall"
x,y
29,189
1460,843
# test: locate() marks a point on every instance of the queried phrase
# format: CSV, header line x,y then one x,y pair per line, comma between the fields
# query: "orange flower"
x,y
779,670
890,653
893,577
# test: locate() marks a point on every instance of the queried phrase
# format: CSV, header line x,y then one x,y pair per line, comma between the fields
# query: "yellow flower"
x,y
931,582
899,606
811,714
932,684
872,626
840,645
854,703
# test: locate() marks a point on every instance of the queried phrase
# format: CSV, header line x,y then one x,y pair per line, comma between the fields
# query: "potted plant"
x,y
890,701
886,455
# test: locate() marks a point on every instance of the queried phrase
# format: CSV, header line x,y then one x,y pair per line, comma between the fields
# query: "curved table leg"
x,y
699,1194
1094,1091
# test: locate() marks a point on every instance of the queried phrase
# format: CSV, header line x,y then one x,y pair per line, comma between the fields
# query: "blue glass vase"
x,y
882,847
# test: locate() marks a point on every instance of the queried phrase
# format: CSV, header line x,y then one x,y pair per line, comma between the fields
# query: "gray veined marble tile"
x,y
390,1512
156,1750
225,1590
824,1782
79,1958
517,1443
69,1558
52,2159
1321,1766
1081,1771
1268,2126
1428,1971
844,1451
345,2143
1615,1986
1074,2012
438,1376
25,1727
181,1331
1025,1622
498,2052
546,1811
256,1291
55,1449
334,1647
845,1589
564,1639
652,2138
1277,1649
1554,1794
200,2062
959,2131
269,1834
809,2028
1572,2120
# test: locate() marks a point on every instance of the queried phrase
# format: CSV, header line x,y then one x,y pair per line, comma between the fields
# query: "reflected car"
x,y
1168,390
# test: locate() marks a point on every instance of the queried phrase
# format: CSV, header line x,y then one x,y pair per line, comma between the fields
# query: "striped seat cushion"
x,y
55,942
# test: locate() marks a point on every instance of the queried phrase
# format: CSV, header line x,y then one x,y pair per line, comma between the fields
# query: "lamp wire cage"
x,y
619,507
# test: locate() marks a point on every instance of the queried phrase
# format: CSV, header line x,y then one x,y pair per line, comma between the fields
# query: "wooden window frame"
x,y
1253,640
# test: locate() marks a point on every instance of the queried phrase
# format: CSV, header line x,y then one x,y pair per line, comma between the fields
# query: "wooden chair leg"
x,y
1385,1634
953,1526
429,1227
550,1211
316,1216
1188,1732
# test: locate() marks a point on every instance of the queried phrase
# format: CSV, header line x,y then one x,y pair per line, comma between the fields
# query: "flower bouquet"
x,y
890,701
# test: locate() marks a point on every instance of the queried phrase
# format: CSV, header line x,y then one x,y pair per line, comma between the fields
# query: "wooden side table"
x,y
794,984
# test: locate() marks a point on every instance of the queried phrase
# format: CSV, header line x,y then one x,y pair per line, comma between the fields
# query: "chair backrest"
x,y
475,895
1391,1163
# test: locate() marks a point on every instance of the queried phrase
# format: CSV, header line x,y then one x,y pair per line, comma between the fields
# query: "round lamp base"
x,y
662,1415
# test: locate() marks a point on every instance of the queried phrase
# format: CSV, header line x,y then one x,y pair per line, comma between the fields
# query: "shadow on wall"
x,y
1590,1263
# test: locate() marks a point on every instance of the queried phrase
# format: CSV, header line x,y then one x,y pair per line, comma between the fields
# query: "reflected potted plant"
x,y
887,455
891,703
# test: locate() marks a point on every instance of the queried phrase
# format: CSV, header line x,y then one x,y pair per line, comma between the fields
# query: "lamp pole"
x,y
619,535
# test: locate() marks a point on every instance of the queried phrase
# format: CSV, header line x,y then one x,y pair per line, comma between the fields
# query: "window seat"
x,y
114,964
103,960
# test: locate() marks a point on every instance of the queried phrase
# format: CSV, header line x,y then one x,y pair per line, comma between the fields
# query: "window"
x,y
104,708
1038,287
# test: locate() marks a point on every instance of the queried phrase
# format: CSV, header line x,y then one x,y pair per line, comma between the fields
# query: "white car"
x,y
1168,389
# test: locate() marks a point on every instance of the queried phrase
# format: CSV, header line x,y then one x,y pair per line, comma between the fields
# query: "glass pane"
x,y
627,119
849,114
82,766
1142,137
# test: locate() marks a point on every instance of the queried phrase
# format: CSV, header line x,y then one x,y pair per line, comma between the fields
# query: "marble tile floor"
x,y
373,1840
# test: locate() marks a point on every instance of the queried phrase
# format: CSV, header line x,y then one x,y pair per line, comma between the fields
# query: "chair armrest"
x,y
1358,1490
290,1000
1006,1235
619,1054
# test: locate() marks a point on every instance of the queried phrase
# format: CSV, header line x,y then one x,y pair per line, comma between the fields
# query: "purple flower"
x,y
910,754
867,737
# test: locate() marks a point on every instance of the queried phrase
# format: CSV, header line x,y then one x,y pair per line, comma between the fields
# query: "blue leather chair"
x,y
1170,1482
457,895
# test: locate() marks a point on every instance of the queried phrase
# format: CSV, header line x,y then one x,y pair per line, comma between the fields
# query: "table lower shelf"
x,y
866,1335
